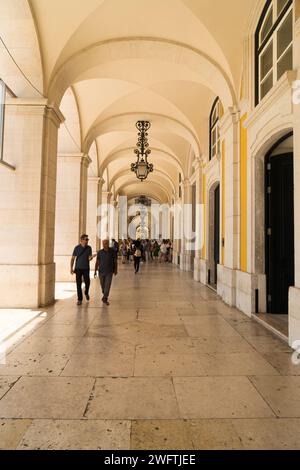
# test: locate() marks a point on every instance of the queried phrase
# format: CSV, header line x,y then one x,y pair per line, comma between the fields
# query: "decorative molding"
x,y
39,106
197,163
94,179
86,161
186,183
70,156
215,162
230,118
282,86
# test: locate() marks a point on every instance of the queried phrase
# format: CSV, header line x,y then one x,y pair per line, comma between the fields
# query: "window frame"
x,y
4,91
2,116
214,127
271,38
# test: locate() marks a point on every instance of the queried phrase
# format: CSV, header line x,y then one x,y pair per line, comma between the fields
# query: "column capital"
x,y
86,160
96,179
36,106
106,195
69,157
231,117
186,183
197,163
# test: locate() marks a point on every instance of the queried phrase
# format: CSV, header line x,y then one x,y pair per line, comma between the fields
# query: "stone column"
x,y
177,231
27,203
113,221
105,215
93,202
199,219
229,207
84,166
186,255
294,294
101,182
71,207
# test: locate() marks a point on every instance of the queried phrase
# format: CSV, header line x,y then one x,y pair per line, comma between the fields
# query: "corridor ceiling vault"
x,y
109,63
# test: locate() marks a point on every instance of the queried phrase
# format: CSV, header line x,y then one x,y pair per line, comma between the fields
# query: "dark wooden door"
x,y
279,231
217,232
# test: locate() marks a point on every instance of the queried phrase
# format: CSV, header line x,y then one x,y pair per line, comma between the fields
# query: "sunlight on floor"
x,y
65,290
15,324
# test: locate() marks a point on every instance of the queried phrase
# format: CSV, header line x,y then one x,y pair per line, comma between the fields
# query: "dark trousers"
x,y
105,282
85,274
137,261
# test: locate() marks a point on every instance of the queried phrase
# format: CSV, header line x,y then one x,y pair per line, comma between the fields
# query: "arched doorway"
x,y
279,204
214,235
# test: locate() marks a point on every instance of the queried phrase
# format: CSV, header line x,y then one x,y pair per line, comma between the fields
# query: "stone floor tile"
x,y
106,364
284,362
235,364
47,397
38,344
11,432
219,397
268,434
219,344
268,344
38,364
57,330
214,434
6,383
282,393
161,434
133,398
76,435
208,326
171,364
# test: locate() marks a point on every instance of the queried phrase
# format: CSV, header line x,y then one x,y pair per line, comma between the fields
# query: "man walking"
x,y
82,255
107,266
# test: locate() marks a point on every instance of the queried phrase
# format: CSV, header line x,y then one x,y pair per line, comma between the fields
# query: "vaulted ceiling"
x,y
117,61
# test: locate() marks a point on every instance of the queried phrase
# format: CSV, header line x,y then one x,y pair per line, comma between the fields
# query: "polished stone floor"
x,y
166,366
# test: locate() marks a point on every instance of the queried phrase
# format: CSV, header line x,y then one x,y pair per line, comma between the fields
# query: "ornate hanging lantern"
x,y
142,168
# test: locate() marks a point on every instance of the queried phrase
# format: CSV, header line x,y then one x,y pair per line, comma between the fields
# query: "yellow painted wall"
x,y
243,194
223,202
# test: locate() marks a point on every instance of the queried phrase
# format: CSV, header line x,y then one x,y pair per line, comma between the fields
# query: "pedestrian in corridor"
x,y
106,266
82,255
137,254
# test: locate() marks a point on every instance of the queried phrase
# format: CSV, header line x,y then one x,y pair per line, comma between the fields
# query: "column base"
x,y
246,286
294,315
204,271
227,285
185,262
27,286
176,258
197,269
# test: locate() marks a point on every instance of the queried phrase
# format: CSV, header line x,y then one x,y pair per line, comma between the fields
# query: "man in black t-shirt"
x,y
82,255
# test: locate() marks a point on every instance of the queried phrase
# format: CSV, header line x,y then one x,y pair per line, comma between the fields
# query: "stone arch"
x,y
207,71
146,190
69,134
117,154
125,172
120,122
21,62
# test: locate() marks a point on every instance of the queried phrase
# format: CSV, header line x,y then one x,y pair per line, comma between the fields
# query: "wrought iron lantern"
x,y
142,168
